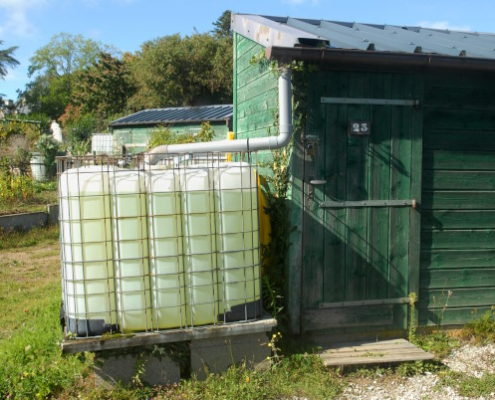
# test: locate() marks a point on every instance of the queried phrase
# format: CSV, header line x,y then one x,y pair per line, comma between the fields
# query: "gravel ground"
x,y
469,359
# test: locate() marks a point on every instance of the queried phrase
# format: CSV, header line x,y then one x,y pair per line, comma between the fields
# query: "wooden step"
x,y
387,351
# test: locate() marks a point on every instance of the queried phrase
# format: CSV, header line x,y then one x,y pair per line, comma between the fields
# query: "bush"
x,y
48,149
19,127
77,127
15,155
162,136
15,187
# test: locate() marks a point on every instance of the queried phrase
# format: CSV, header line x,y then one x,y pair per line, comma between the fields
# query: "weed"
x,y
413,298
299,376
417,368
443,305
276,357
440,343
483,329
15,188
469,386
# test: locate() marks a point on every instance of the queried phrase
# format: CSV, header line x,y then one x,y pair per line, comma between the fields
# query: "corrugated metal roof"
x,y
176,115
295,32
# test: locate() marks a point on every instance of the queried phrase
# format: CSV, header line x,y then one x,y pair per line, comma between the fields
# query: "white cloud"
x,y
16,20
444,25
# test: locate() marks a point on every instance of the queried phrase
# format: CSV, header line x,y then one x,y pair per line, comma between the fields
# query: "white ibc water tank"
x,y
130,234
86,250
102,143
198,219
165,240
237,234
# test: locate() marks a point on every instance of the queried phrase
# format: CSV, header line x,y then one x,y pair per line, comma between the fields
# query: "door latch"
x,y
310,144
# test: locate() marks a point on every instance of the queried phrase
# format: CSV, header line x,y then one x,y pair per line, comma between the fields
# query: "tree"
x,y
222,25
174,71
46,95
7,60
57,64
104,87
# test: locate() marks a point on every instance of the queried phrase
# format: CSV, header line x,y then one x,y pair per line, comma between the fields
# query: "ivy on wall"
x,y
277,188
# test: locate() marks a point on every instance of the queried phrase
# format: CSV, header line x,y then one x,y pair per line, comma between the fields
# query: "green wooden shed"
x,y
134,131
392,186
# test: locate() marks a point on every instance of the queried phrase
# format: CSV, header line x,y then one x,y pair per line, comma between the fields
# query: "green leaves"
x,y
65,54
163,136
7,60
104,87
173,71
48,149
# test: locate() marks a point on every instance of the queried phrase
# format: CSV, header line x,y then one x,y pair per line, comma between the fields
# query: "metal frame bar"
x,y
109,169
378,302
367,203
374,102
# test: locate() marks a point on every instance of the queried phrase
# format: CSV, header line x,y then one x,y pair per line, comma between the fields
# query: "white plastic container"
x,y
86,250
38,169
198,222
130,235
237,234
165,243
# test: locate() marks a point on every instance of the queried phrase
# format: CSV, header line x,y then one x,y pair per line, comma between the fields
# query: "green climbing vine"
x,y
276,188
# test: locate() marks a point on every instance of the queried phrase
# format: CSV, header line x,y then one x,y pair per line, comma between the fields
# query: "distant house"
x,y
135,130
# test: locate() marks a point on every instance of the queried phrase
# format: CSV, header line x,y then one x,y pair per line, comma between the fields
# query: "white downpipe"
x,y
254,144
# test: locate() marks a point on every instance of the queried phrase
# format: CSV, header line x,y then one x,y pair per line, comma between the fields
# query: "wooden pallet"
x,y
102,343
383,352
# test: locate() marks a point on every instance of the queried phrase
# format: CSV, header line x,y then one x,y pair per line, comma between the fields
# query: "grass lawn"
x,y
44,193
34,367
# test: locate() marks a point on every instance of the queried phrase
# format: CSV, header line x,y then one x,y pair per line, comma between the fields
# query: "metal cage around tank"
x,y
147,248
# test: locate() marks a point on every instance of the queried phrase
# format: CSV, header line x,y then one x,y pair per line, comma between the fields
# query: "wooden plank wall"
x,y
256,101
458,210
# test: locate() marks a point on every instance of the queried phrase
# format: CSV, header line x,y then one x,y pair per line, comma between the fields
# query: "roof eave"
x,y
341,57
154,123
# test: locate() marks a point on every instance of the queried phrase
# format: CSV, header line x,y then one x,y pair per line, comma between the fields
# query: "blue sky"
x,y
126,24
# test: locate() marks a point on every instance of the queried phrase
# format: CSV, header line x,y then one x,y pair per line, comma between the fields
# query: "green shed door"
x,y
362,190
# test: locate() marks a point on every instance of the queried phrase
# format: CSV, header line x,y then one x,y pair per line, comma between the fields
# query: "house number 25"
x,y
359,128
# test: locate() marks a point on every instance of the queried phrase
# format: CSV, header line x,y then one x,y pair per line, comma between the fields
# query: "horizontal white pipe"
x,y
254,144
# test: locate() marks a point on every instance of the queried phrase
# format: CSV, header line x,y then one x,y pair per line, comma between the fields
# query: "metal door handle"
x,y
316,182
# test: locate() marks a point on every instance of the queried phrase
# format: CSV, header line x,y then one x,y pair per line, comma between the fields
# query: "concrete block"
x,y
216,355
122,368
23,222
53,211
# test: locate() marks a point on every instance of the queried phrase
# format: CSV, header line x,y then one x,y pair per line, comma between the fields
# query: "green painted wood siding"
x,y
256,92
458,210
